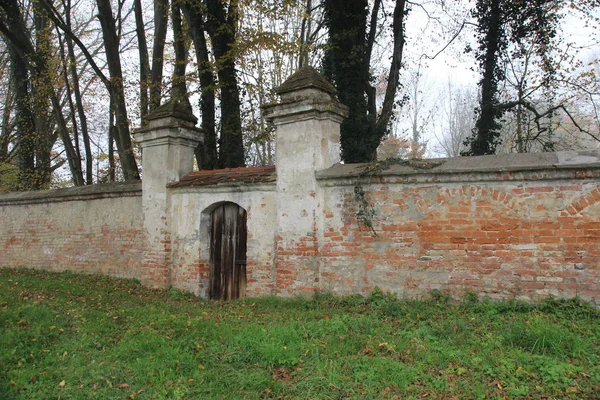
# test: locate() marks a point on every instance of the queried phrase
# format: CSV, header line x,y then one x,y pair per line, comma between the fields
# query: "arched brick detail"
x,y
482,193
582,202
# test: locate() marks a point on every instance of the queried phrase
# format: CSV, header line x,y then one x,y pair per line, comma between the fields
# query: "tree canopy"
x,y
78,76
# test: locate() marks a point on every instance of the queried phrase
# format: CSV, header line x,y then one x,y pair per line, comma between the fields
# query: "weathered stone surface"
x,y
175,111
518,162
95,230
190,208
510,225
88,192
167,156
304,78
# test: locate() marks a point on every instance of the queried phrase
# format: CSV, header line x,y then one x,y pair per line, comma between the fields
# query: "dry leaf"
x,y
62,383
123,386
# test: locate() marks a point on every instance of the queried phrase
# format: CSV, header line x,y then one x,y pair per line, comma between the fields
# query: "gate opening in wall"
x,y
228,235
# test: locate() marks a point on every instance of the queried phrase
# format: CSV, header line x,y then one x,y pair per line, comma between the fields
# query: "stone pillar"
x,y
168,144
307,137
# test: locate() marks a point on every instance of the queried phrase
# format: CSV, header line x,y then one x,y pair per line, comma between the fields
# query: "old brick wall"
x,y
95,229
523,226
523,234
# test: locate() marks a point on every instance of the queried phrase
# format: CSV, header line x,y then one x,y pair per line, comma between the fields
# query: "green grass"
x,y
71,336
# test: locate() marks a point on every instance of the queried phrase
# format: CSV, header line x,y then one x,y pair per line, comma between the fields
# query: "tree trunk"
x,y
117,92
345,67
387,108
161,13
179,90
487,129
25,143
206,153
144,60
221,26
79,105
7,124
42,89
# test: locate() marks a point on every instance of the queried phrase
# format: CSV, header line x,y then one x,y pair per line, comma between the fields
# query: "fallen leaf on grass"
x,y
134,395
281,374
123,386
62,383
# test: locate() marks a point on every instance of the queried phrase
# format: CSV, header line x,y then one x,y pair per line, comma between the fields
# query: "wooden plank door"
x,y
227,252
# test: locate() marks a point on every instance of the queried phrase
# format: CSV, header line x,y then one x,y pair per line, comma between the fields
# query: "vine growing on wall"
x,y
365,215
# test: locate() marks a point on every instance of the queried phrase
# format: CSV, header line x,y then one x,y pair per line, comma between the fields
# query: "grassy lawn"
x,y
70,336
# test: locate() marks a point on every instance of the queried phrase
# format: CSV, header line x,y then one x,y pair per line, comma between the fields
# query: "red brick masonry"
x,y
523,226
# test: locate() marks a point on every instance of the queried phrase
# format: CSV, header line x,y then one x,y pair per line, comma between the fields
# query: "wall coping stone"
x,y
541,166
76,193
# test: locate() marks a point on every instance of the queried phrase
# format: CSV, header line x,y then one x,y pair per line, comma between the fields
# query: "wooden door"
x,y
227,252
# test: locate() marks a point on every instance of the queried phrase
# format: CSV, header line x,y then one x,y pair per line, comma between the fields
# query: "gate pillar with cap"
x,y
168,144
307,135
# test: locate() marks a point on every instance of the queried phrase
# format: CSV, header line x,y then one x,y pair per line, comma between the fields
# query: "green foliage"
x,y
9,178
78,336
344,66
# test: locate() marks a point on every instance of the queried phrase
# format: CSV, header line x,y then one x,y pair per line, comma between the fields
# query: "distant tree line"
x,y
77,75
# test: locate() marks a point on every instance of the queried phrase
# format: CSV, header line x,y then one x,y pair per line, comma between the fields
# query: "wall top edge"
x,y
100,190
487,165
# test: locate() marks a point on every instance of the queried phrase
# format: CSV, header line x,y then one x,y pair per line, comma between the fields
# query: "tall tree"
x,y
457,118
206,153
34,86
179,87
140,31
161,20
75,78
221,25
117,90
347,63
498,24
218,18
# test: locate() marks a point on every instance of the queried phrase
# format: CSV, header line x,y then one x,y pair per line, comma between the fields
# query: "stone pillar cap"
x,y
303,94
304,78
170,111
